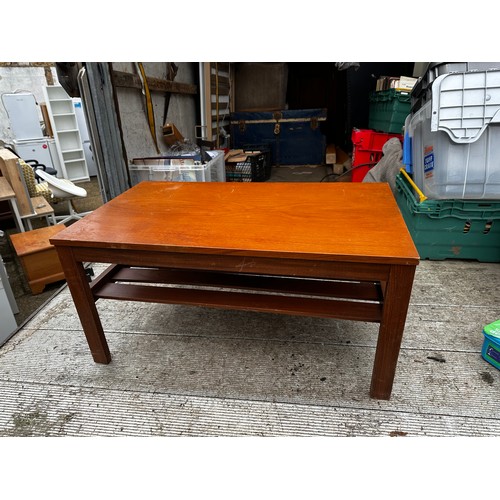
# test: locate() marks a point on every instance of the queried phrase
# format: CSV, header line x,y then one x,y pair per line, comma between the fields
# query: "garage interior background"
x,y
187,94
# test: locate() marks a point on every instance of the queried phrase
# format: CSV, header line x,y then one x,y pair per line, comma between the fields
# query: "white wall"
x,y
29,79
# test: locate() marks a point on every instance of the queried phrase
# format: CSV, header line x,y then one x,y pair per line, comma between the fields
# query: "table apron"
x,y
361,271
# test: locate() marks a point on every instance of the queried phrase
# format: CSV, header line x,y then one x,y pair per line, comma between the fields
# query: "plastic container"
x,y
255,168
455,138
266,150
182,168
388,110
422,91
450,229
367,150
491,345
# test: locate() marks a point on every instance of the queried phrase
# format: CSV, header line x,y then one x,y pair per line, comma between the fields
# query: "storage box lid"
x,y
464,104
493,329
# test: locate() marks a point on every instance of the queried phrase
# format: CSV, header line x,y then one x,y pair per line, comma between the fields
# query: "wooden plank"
x,y
208,102
223,87
234,263
41,206
220,66
104,277
222,80
11,170
6,191
46,120
296,306
330,288
129,80
342,161
331,154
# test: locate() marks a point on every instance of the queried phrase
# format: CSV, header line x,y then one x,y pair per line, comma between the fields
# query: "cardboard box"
x,y
343,162
331,154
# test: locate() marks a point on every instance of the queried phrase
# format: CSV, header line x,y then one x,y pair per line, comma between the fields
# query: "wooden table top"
x,y
358,222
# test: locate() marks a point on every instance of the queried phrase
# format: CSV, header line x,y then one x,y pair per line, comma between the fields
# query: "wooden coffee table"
x,y
339,250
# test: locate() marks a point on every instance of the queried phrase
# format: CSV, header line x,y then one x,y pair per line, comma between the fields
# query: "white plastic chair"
x,y
64,188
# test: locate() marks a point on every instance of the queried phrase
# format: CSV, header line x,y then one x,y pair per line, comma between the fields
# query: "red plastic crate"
x,y
367,148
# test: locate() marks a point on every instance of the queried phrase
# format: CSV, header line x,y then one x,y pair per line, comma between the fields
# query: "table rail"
x,y
360,301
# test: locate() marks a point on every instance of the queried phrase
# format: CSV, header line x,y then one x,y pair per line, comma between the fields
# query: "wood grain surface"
x,y
323,221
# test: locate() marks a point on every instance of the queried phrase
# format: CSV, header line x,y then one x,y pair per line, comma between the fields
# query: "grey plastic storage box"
x,y
422,90
455,138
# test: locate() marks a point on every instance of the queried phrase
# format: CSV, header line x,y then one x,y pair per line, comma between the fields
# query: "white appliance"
x,y
24,115
44,151
8,307
84,134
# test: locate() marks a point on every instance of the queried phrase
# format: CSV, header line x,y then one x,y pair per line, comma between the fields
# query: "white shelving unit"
x,y
66,133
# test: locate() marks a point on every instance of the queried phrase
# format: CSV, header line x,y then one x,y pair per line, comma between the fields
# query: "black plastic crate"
x,y
265,149
256,167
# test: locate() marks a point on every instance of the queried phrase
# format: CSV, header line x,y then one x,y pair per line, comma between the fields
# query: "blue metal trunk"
x,y
293,136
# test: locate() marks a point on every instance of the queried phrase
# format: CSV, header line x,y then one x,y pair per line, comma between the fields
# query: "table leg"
x,y
396,301
85,305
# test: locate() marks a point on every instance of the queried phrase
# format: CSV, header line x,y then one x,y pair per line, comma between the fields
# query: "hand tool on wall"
x,y
149,104
171,74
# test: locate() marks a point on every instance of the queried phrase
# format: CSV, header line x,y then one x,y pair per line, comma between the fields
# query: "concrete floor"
x,y
190,371
180,370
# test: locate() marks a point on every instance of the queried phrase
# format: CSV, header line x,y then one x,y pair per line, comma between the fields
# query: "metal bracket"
x,y
277,115
242,125
89,273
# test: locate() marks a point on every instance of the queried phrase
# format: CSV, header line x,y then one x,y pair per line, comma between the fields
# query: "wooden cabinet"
x,y
38,257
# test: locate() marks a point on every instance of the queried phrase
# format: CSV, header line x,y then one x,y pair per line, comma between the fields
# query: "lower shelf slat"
x,y
329,288
285,304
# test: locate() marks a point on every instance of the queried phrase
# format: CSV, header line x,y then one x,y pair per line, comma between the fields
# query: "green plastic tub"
x,y
451,229
388,110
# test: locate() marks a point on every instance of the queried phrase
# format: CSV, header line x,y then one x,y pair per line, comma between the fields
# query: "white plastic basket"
x,y
179,169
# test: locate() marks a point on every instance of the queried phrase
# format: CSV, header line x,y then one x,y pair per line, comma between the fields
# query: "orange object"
x,y
38,257
315,243
171,135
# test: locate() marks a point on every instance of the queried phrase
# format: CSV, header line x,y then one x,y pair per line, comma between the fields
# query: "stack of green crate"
x,y
451,229
388,110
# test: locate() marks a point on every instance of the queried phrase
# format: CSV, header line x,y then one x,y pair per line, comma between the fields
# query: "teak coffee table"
x,y
337,250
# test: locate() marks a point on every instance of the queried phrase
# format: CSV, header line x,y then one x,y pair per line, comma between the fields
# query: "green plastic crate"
x,y
388,110
451,229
